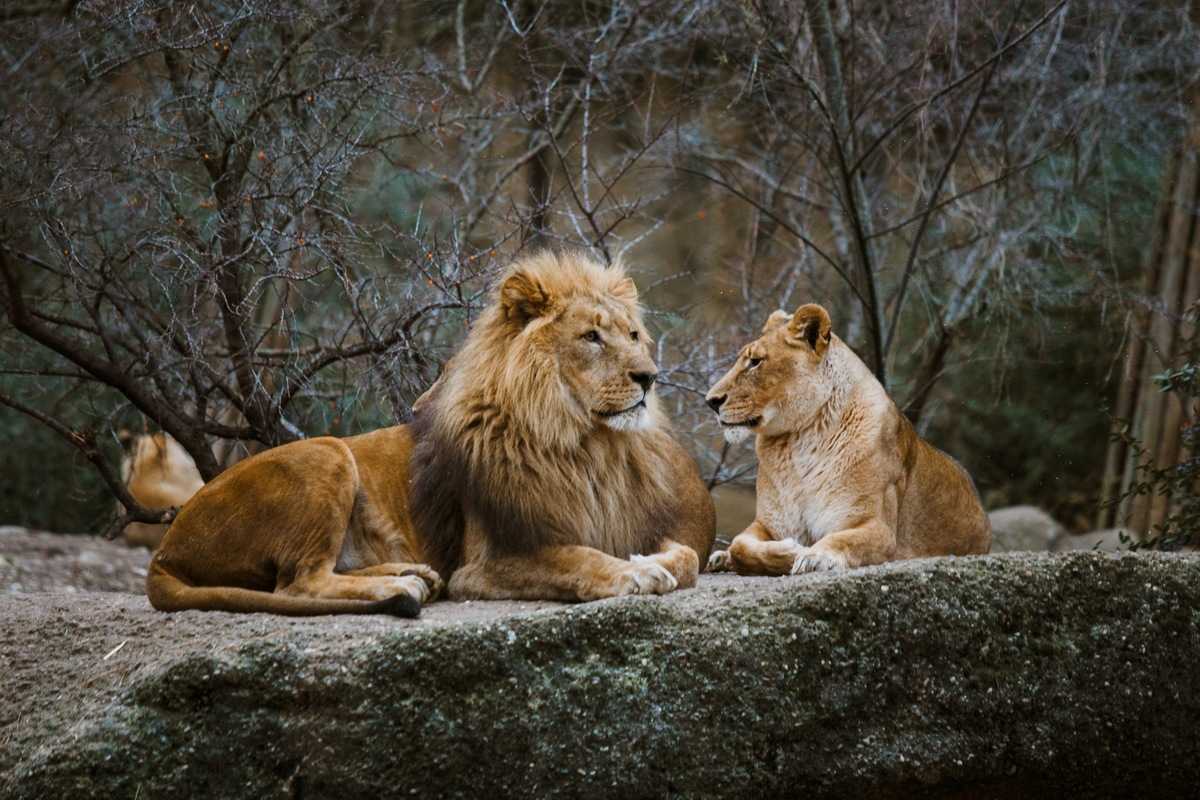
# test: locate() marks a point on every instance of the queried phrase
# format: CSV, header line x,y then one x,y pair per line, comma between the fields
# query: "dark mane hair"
x,y
533,473
437,485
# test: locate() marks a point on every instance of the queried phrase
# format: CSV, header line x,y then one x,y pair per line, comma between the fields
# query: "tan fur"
x,y
525,481
843,479
159,473
522,479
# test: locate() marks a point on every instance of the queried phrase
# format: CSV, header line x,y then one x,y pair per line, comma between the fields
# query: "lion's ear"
x,y
523,297
625,289
810,326
776,319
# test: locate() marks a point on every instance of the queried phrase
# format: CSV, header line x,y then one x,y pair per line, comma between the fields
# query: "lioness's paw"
x,y
720,561
810,559
644,575
430,576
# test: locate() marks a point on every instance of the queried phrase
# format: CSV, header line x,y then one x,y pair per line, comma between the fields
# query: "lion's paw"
x,y
418,587
810,559
429,575
644,575
720,561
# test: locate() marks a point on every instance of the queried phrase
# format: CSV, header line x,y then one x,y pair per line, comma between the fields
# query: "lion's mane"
x,y
500,439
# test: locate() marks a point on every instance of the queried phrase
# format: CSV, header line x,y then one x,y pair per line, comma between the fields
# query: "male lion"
x,y
537,467
843,479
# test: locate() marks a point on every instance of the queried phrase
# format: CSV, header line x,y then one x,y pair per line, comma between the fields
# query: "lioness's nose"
x,y
643,379
715,403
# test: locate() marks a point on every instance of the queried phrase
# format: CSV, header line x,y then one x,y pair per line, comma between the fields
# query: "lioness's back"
x,y
941,513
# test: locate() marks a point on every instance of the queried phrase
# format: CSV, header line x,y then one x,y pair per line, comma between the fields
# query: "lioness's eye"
x,y
633,335
592,336
753,362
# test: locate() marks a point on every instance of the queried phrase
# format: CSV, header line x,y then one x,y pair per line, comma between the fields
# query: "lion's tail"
x,y
168,593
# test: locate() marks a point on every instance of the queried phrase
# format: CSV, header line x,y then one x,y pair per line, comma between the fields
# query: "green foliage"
x,y
46,483
1023,407
1025,420
171,178
1178,482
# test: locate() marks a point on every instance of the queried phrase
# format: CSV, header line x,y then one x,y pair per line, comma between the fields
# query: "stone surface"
x,y
1017,675
37,561
1024,529
1107,540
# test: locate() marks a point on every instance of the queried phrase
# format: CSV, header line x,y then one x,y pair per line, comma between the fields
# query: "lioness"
x,y
843,479
539,466
159,473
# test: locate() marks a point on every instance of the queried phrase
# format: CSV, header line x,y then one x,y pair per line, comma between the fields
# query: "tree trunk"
x,y
1159,340
853,197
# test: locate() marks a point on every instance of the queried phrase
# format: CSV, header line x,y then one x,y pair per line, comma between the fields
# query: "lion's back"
x,y
262,509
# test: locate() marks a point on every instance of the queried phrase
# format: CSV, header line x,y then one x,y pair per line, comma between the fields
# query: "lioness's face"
x,y
603,353
777,382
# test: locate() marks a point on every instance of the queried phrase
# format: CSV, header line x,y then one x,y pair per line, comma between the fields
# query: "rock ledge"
x,y
1000,676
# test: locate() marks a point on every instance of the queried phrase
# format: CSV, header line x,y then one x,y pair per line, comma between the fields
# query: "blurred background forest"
x,y
251,221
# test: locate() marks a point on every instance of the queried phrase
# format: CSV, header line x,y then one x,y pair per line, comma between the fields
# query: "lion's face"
x,y
603,357
777,382
544,429
586,338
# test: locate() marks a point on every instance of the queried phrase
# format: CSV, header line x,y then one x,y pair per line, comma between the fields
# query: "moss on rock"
x,y
1005,676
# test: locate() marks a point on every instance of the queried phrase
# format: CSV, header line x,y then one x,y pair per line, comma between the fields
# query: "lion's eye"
x,y
753,362
633,335
592,336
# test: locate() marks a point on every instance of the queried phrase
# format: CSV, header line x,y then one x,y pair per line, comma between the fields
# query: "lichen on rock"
x,y
1009,676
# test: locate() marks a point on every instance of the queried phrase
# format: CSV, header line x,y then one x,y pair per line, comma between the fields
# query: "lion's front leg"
x,y
873,542
564,572
678,559
756,551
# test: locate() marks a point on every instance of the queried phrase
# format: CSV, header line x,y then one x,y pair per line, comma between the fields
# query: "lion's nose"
x,y
715,403
643,379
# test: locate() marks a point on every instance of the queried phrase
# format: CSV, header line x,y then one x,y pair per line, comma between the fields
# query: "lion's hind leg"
x,y
426,573
322,582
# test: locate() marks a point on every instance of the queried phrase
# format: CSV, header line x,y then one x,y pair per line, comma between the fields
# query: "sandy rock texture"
x,y
1022,675
36,561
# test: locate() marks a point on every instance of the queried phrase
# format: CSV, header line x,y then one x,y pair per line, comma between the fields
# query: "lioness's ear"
x,y
810,325
776,319
523,298
625,289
